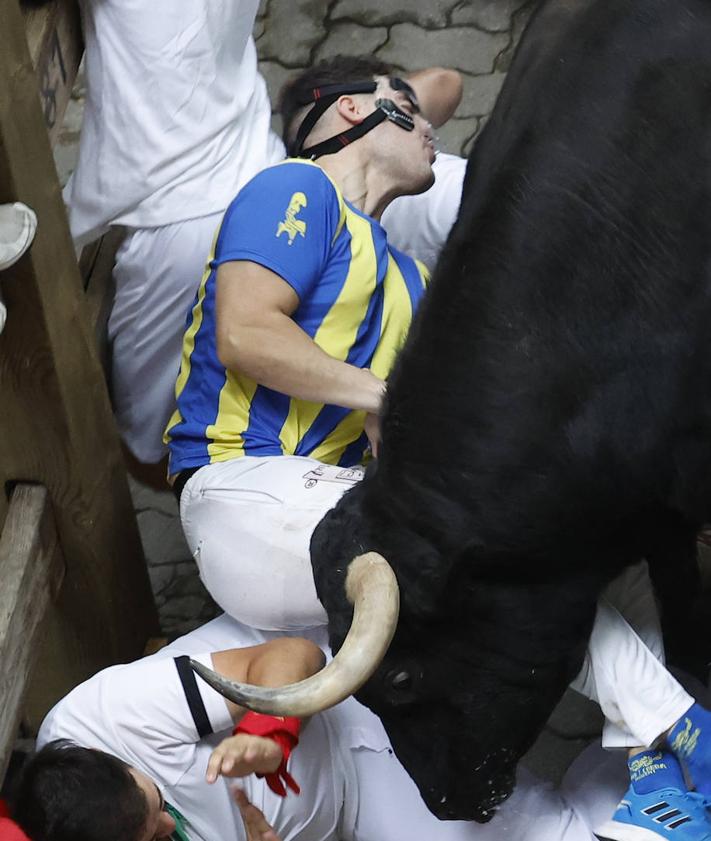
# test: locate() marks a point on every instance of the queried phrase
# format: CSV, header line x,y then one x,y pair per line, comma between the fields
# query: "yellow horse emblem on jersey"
x,y
291,226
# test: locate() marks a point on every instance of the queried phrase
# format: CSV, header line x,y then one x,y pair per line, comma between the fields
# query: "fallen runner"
x,y
151,733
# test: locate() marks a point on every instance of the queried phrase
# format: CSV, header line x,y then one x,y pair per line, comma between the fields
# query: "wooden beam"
x,y
56,46
56,425
31,571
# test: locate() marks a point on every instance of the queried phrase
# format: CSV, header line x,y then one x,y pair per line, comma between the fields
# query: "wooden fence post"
x,y
56,426
32,569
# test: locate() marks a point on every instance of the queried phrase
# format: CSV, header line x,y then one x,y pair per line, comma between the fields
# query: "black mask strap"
x,y
386,109
336,143
323,98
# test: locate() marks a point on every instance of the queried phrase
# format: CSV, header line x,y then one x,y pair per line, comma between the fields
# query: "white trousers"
x,y
249,521
624,667
392,809
157,273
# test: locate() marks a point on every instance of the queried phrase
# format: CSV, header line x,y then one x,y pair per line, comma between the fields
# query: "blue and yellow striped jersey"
x,y
356,296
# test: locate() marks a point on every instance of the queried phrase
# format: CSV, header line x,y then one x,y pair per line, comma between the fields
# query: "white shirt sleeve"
x,y
138,712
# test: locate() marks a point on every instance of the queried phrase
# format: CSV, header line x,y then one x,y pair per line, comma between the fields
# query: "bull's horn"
x,y
372,589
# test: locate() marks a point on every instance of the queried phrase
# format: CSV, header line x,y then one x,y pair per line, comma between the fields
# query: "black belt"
x,y
181,480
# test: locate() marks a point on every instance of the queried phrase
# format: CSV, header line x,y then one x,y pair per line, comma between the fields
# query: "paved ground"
x,y
475,36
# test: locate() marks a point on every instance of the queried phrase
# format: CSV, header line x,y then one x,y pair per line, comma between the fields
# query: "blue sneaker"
x,y
664,814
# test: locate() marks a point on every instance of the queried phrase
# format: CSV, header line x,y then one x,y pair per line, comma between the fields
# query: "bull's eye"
x,y
401,680
403,683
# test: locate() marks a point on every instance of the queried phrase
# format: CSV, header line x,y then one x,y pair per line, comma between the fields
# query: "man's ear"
x,y
351,109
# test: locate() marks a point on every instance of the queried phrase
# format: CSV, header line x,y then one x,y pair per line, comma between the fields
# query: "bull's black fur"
x,y
549,419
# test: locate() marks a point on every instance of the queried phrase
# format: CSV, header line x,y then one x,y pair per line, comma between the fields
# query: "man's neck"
x,y
360,182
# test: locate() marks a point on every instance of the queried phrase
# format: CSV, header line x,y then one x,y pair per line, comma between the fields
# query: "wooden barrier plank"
x,y
31,571
56,46
56,425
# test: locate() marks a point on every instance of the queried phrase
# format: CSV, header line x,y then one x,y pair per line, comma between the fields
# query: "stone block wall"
x,y
476,37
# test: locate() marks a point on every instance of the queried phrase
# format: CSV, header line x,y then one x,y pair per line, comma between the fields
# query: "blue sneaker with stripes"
x,y
664,814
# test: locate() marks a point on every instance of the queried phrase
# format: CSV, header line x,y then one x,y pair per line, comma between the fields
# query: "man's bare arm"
x,y
257,336
274,663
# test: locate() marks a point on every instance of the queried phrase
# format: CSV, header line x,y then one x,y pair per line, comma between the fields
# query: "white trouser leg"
x,y
157,273
391,809
248,523
624,667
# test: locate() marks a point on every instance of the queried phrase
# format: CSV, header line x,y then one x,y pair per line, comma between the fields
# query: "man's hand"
x,y
372,431
241,755
254,821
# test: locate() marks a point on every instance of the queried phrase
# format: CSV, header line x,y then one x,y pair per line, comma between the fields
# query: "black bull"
x,y
549,419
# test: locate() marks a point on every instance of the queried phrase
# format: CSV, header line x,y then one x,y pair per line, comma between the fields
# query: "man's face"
x,y
159,823
409,154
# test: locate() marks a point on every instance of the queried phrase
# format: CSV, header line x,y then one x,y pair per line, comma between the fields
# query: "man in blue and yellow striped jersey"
x,y
301,311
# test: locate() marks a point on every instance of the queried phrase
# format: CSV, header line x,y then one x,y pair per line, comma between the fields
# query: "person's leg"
x,y
690,741
248,523
157,273
390,807
596,779
624,671
624,667
594,783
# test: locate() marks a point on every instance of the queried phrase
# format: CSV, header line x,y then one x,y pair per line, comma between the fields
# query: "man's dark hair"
x,y
330,71
70,793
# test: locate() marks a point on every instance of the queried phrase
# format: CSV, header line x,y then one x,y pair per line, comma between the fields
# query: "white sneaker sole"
x,y
10,252
614,831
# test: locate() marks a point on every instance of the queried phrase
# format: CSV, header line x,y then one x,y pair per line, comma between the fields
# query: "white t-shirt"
x,y
419,225
177,117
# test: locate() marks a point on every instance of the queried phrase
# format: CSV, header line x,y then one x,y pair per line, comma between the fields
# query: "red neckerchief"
x,y
283,731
